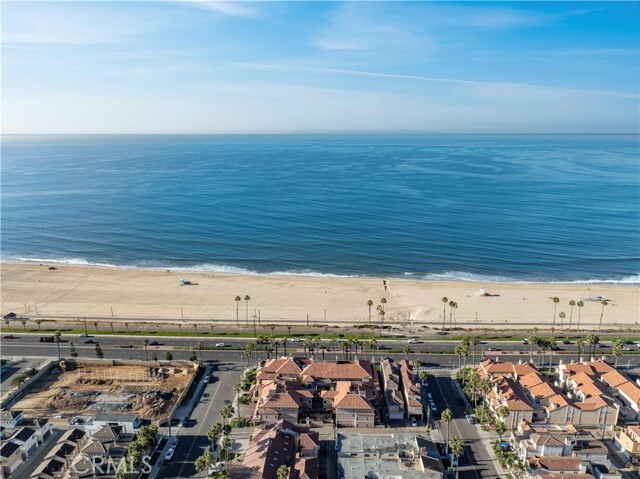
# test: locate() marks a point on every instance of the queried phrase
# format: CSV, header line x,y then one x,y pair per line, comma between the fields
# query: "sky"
x,y
298,67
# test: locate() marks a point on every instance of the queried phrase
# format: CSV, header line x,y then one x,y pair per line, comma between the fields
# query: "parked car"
x,y
220,345
454,460
470,419
10,315
206,380
414,423
169,454
430,396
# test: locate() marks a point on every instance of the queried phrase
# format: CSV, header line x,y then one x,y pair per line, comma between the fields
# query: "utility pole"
x,y
111,311
85,327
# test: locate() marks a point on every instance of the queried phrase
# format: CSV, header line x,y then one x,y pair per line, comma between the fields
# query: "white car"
x,y
206,380
470,419
627,348
414,423
430,396
169,454
295,340
434,408
412,341
220,345
454,460
84,335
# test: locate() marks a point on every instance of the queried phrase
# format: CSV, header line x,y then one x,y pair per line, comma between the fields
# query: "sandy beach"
x,y
74,291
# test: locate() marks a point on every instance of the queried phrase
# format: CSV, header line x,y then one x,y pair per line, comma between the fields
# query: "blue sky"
x,y
262,67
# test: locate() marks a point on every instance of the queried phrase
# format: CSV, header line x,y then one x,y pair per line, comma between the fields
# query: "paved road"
x,y
12,371
192,441
476,462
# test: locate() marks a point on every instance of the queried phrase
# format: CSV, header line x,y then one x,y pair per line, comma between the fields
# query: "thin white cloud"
x,y
231,8
440,80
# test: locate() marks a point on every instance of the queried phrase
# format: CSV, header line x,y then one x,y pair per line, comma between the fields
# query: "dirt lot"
x,y
149,392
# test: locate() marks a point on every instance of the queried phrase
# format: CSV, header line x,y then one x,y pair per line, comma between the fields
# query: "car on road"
x,y
205,395
470,419
414,423
295,340
627,348
602,345
89,341
494,349
9,336
206,380
189,422
154,343
412,341
566,341
525,341
47,339
220,345
169,455
555,348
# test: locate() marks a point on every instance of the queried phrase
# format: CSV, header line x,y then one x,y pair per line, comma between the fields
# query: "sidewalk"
x,y
183,412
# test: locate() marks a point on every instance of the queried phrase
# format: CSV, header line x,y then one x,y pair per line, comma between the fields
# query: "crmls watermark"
x,y
109,465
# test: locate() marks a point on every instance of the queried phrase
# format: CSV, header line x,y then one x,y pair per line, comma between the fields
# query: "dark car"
x,y
189,422
566,341
154,343
89,341
9,336
555,348
493,349
10,315
601,345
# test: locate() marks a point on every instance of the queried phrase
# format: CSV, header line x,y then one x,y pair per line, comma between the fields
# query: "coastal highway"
x,y
28,344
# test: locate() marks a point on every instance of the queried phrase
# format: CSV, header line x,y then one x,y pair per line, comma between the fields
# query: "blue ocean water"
x,y
503,208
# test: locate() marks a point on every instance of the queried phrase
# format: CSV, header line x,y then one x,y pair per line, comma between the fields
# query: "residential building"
x,y
395,455
393,396
10,419
628,440
276,445
410,391
10,457
129,422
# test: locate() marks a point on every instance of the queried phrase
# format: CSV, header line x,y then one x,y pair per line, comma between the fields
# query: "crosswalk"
x,y
433,369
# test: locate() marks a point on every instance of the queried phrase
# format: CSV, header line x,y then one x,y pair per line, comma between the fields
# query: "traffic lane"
x,y
475,463
193,440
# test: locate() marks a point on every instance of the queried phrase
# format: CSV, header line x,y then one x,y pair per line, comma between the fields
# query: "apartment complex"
x,y
402,396
530,396
277,446
292,389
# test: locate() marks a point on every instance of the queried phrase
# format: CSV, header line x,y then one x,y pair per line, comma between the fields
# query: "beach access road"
x,y
192,438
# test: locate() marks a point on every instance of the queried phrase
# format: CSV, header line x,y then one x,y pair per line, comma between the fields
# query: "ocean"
x,y
429,207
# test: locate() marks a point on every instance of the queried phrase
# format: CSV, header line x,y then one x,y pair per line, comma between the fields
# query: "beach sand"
x,y
78,291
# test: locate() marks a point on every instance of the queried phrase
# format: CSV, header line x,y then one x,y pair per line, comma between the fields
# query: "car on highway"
x,y
555,348
84,335
494,349
154,343
47,339
627,348
189,422
9,336
220,345
566,341
169,455
414,423
412,341
470,419
602,345
295,340
89,341
525,341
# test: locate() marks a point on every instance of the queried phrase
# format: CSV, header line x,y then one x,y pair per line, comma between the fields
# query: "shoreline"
x,y
223,270
156,295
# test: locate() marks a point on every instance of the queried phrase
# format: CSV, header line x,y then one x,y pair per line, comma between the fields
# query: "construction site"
x,y
68,388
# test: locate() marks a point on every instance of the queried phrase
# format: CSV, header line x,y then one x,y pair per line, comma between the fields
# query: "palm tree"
x,y
24,324
226,443
451,304
72,351
572,303
562,315
580,346
445,300
200,345
204,462
56,337
593,339
99,352
238,299
126,325
247,298
423,376
369,303
95,325
145,341
617,349
533,341
447,416
455,319
555,300
473,342
503,413
283,472
214,432
39,322
579,304
406,350
604,303
383,301
457,448
169,356
227,412
7,323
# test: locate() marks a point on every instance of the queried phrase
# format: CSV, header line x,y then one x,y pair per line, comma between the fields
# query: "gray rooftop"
x,y
384,456
115,417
